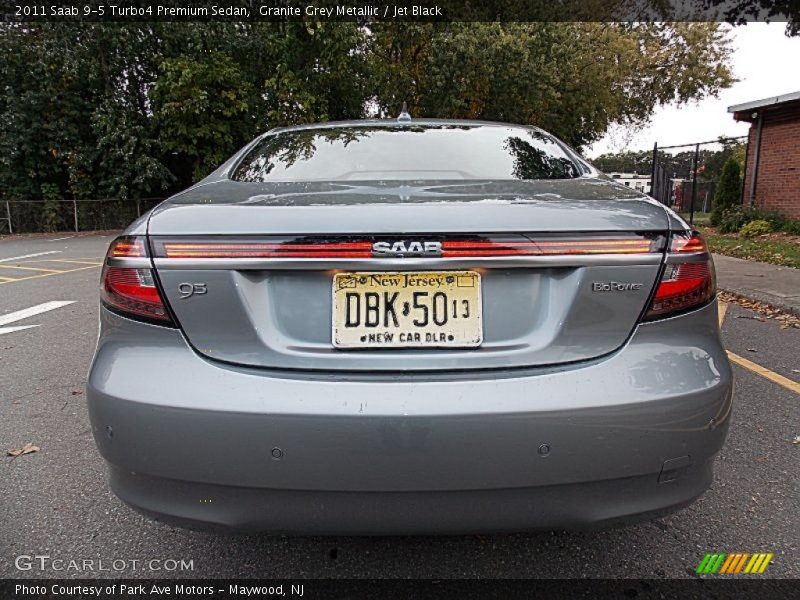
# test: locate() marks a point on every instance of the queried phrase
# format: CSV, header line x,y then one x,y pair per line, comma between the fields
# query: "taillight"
x,y
447,246
686,282
128,246
128,285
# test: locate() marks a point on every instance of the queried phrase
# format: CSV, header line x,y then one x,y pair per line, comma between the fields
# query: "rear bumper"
x,y
596,503
198,442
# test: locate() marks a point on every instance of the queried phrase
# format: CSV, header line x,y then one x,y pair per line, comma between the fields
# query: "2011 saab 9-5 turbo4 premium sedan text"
x,y
408,327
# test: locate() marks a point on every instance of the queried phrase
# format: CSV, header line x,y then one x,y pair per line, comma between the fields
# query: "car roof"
x,y
396,123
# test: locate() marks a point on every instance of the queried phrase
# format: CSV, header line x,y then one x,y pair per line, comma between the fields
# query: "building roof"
x,y
621,175
764,103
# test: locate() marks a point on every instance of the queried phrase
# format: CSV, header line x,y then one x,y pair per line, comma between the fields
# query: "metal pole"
x,y
8,214
756,160
694,183
744,172
75,213
653,171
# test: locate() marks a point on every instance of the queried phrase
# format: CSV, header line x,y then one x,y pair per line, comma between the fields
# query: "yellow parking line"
x,y
723,308
774,377
45,275
7,278
790,385
31,269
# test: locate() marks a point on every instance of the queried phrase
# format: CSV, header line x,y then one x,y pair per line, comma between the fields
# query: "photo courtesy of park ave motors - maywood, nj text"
x,y
320,299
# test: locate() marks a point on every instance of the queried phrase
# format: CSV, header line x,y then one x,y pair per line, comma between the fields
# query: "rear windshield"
x,y
406,153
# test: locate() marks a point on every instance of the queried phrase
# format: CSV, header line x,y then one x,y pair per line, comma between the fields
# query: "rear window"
x,y
406,153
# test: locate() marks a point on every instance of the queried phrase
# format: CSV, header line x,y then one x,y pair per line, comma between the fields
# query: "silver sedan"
x,y
408,326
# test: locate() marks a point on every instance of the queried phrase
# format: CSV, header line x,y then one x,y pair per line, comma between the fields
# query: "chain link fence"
x,y
38,215
685,176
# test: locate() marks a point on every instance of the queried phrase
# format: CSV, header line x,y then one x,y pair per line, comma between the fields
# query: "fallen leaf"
x,y
760,319
796,440
26,449
787,320
77,392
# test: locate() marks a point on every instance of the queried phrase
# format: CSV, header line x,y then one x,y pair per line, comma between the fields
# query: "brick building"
x,y
772,170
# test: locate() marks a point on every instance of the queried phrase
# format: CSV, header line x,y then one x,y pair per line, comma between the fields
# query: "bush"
x,y
728,193
792,227
755,228
779,222
732,220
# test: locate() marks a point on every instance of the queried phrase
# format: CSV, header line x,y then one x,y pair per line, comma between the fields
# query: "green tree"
x,y
574,79
200,108
127,158
132,110
144,109
714,161
640,162
729,190
51,216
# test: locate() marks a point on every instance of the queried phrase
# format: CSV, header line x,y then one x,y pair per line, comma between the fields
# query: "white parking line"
x,y
2,260
17,328
69,237
29,312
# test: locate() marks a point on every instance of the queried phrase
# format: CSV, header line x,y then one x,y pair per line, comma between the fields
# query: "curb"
x,y
763,299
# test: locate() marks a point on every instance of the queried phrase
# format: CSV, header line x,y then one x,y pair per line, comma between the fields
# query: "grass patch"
x,y
774,248
700,218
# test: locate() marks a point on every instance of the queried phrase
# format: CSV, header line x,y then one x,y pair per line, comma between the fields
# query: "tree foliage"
x,y
573,79
143,109
200,108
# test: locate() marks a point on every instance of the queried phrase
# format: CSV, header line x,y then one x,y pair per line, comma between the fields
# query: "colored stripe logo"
x,y
734,563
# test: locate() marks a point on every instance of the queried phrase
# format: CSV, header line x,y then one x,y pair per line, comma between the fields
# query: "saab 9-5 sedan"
x,y
412,326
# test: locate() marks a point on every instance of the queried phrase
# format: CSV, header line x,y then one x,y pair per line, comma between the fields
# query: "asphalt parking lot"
x,y
56,502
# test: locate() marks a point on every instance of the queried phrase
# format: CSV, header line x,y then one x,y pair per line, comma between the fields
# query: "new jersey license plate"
x,y
407,310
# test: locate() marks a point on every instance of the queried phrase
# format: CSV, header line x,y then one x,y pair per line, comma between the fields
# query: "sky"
x,y
766,63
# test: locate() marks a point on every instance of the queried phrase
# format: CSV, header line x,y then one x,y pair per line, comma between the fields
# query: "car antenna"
x,y
404,117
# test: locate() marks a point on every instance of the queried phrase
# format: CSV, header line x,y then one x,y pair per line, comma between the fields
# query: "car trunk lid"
x,y
557,281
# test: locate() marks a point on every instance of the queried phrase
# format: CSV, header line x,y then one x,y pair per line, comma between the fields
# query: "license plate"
x,y
433,309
